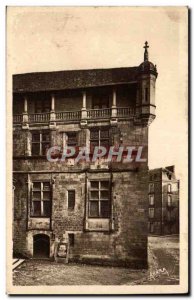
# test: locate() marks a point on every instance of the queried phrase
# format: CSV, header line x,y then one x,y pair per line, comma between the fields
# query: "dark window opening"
x,y
71,239
41,199
71,199
151,227
71,139
151,188
40,143
99,137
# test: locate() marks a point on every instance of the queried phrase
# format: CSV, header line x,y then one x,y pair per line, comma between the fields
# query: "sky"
x,y
64,38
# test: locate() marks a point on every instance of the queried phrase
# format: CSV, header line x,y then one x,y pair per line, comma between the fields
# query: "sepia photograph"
x,y
97,164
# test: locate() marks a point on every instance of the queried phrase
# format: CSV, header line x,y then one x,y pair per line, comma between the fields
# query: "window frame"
x,y
99,139
41,141
151,196
151,187
99,200
68,134
169,188
151,227
151,215
68,207
41,200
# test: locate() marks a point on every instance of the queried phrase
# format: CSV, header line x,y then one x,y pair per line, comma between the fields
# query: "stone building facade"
x,y
100,207
163,200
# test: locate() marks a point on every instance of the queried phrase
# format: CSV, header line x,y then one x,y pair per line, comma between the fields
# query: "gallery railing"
x,y
105,113
99,113
39,117
68,115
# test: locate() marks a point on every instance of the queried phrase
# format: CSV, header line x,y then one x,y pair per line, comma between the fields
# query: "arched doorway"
x,y
41,246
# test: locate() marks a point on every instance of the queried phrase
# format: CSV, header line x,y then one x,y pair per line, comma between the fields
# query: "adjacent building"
x,y
100,207
163,200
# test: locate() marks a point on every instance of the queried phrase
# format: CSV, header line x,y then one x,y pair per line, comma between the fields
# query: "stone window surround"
x,y
40,142
99,190
69,204
41,200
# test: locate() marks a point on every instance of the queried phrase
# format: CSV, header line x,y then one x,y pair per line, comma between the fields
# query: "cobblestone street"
x,y
163,255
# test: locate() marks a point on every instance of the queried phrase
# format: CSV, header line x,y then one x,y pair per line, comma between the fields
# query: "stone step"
x,y
16,263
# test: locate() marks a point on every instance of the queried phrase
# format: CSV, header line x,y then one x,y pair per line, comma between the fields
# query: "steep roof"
x,y
61,80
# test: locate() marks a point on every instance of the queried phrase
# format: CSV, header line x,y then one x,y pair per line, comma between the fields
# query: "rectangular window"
x,y
71,199
151,227
71,237
71,139
151,212
40,143
41,199
151,199
151,188
169,188
169,203
99,137
99,199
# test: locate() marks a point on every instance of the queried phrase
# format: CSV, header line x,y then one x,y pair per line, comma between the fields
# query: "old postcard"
x,y
97,169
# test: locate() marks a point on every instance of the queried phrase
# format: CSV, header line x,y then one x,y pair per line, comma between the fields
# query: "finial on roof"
x,y
146,51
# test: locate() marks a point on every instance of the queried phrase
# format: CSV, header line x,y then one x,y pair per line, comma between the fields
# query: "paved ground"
x,y
163,269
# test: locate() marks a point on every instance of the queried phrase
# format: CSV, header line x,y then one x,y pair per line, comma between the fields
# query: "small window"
x,y
71,199
151,187
71,139
151,199
169,188
151,227
71,237
151,212
169,201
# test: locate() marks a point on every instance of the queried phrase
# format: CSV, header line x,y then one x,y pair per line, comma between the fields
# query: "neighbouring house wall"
x,y
163,223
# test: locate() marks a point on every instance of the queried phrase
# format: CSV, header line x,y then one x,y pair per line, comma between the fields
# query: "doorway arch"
x,y
41,246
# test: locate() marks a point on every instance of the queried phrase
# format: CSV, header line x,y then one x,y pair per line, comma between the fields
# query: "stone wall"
x,y
124,242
